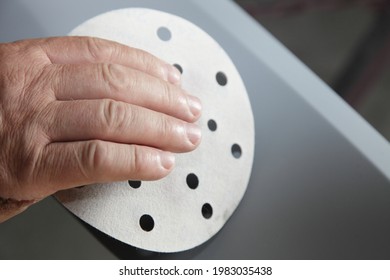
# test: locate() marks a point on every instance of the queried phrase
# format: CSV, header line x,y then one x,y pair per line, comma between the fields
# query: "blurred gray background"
x,y
346,43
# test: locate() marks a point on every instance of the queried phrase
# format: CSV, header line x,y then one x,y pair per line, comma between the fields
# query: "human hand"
x,y
80,110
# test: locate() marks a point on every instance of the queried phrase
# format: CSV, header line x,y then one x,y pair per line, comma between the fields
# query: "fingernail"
x,y
193,133
173,75
194,105
167,160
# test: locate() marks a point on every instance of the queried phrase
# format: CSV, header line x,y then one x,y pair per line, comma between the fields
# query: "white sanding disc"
x,y
192,204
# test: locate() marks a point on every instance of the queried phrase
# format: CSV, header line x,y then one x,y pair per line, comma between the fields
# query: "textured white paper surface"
x,y
176,209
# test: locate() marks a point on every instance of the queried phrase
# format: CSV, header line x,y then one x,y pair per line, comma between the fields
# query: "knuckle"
x,y
138,82
166,129
95,158
99,49
174,99
114,77
170,99
114,115
103,50
146,59
137,161
150,64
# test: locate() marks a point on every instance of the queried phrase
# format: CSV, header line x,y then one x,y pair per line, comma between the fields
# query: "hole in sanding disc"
x,y
221,78
178,67
207,211
164,33
236,151
146,222
212,125
192,181
134,184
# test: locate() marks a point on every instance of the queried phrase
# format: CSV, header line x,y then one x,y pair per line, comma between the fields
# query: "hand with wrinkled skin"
x,y
80,110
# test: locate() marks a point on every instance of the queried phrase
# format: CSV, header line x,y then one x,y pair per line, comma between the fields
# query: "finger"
x,y
76,50
66,165
120,122
98,81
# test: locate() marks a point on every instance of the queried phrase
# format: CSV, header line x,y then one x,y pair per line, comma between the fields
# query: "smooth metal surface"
x,y
320,185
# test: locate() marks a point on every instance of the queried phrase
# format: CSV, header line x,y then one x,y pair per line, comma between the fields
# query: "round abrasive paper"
x,y
191,204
